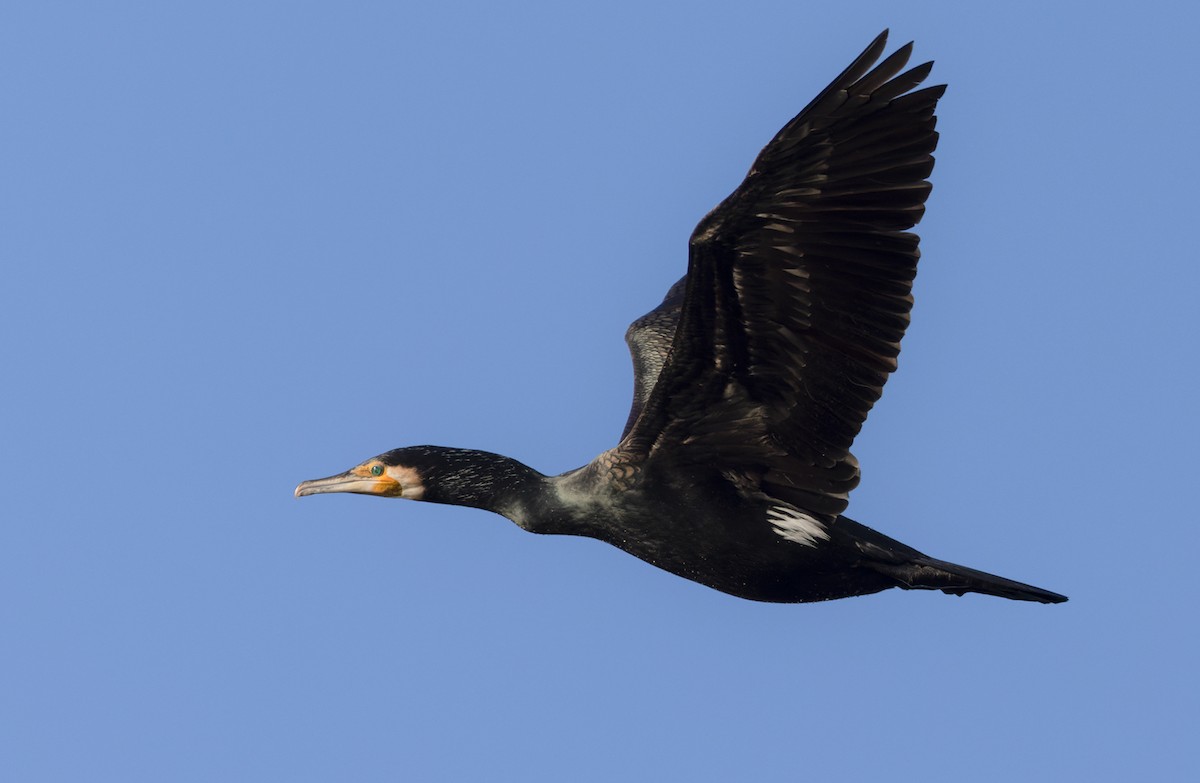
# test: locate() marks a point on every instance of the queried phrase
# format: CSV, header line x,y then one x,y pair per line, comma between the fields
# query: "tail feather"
x,y
914,570
926,573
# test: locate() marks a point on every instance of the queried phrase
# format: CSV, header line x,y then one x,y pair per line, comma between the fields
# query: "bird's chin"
x,y
348,483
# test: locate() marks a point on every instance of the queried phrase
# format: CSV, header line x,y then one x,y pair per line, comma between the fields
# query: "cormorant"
x,y
753,376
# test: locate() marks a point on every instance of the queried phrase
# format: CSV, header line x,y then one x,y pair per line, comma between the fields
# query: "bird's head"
x,y
386,476
437,474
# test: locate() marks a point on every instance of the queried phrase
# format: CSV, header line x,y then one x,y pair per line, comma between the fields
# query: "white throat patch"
x,y
795,525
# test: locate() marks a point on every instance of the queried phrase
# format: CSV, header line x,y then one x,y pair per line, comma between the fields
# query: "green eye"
x,y
377,470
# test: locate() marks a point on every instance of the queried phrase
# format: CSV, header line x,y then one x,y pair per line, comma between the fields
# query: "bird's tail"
x,y
926,573
914,570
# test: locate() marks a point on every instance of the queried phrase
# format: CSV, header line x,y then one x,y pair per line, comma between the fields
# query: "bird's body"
x,y
754,375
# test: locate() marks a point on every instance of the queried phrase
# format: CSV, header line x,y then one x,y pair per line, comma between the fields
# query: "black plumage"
x,y
754,375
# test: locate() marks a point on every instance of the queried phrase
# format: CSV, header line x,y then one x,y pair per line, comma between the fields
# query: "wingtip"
x,y
876,47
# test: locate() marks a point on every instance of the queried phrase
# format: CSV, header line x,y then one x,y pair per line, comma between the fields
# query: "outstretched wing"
x,y
798,292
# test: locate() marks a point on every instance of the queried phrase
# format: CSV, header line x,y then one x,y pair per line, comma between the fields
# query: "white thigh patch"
x,y
795,525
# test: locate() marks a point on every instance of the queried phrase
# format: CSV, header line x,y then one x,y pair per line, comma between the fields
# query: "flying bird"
x,y
754,374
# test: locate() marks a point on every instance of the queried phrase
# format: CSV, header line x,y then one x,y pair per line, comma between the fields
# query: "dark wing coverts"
x,y
797,294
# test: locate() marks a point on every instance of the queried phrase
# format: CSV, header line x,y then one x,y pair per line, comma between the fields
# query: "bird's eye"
x,y
377,470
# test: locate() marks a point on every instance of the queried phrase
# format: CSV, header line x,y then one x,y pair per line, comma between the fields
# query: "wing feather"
x,y
798,293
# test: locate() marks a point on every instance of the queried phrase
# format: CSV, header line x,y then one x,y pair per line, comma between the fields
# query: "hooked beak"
x,y
350,481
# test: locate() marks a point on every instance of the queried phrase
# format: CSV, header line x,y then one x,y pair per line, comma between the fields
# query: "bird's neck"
x,y
481,479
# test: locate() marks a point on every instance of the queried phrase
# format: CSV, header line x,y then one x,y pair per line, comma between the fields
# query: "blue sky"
x,y
248,244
